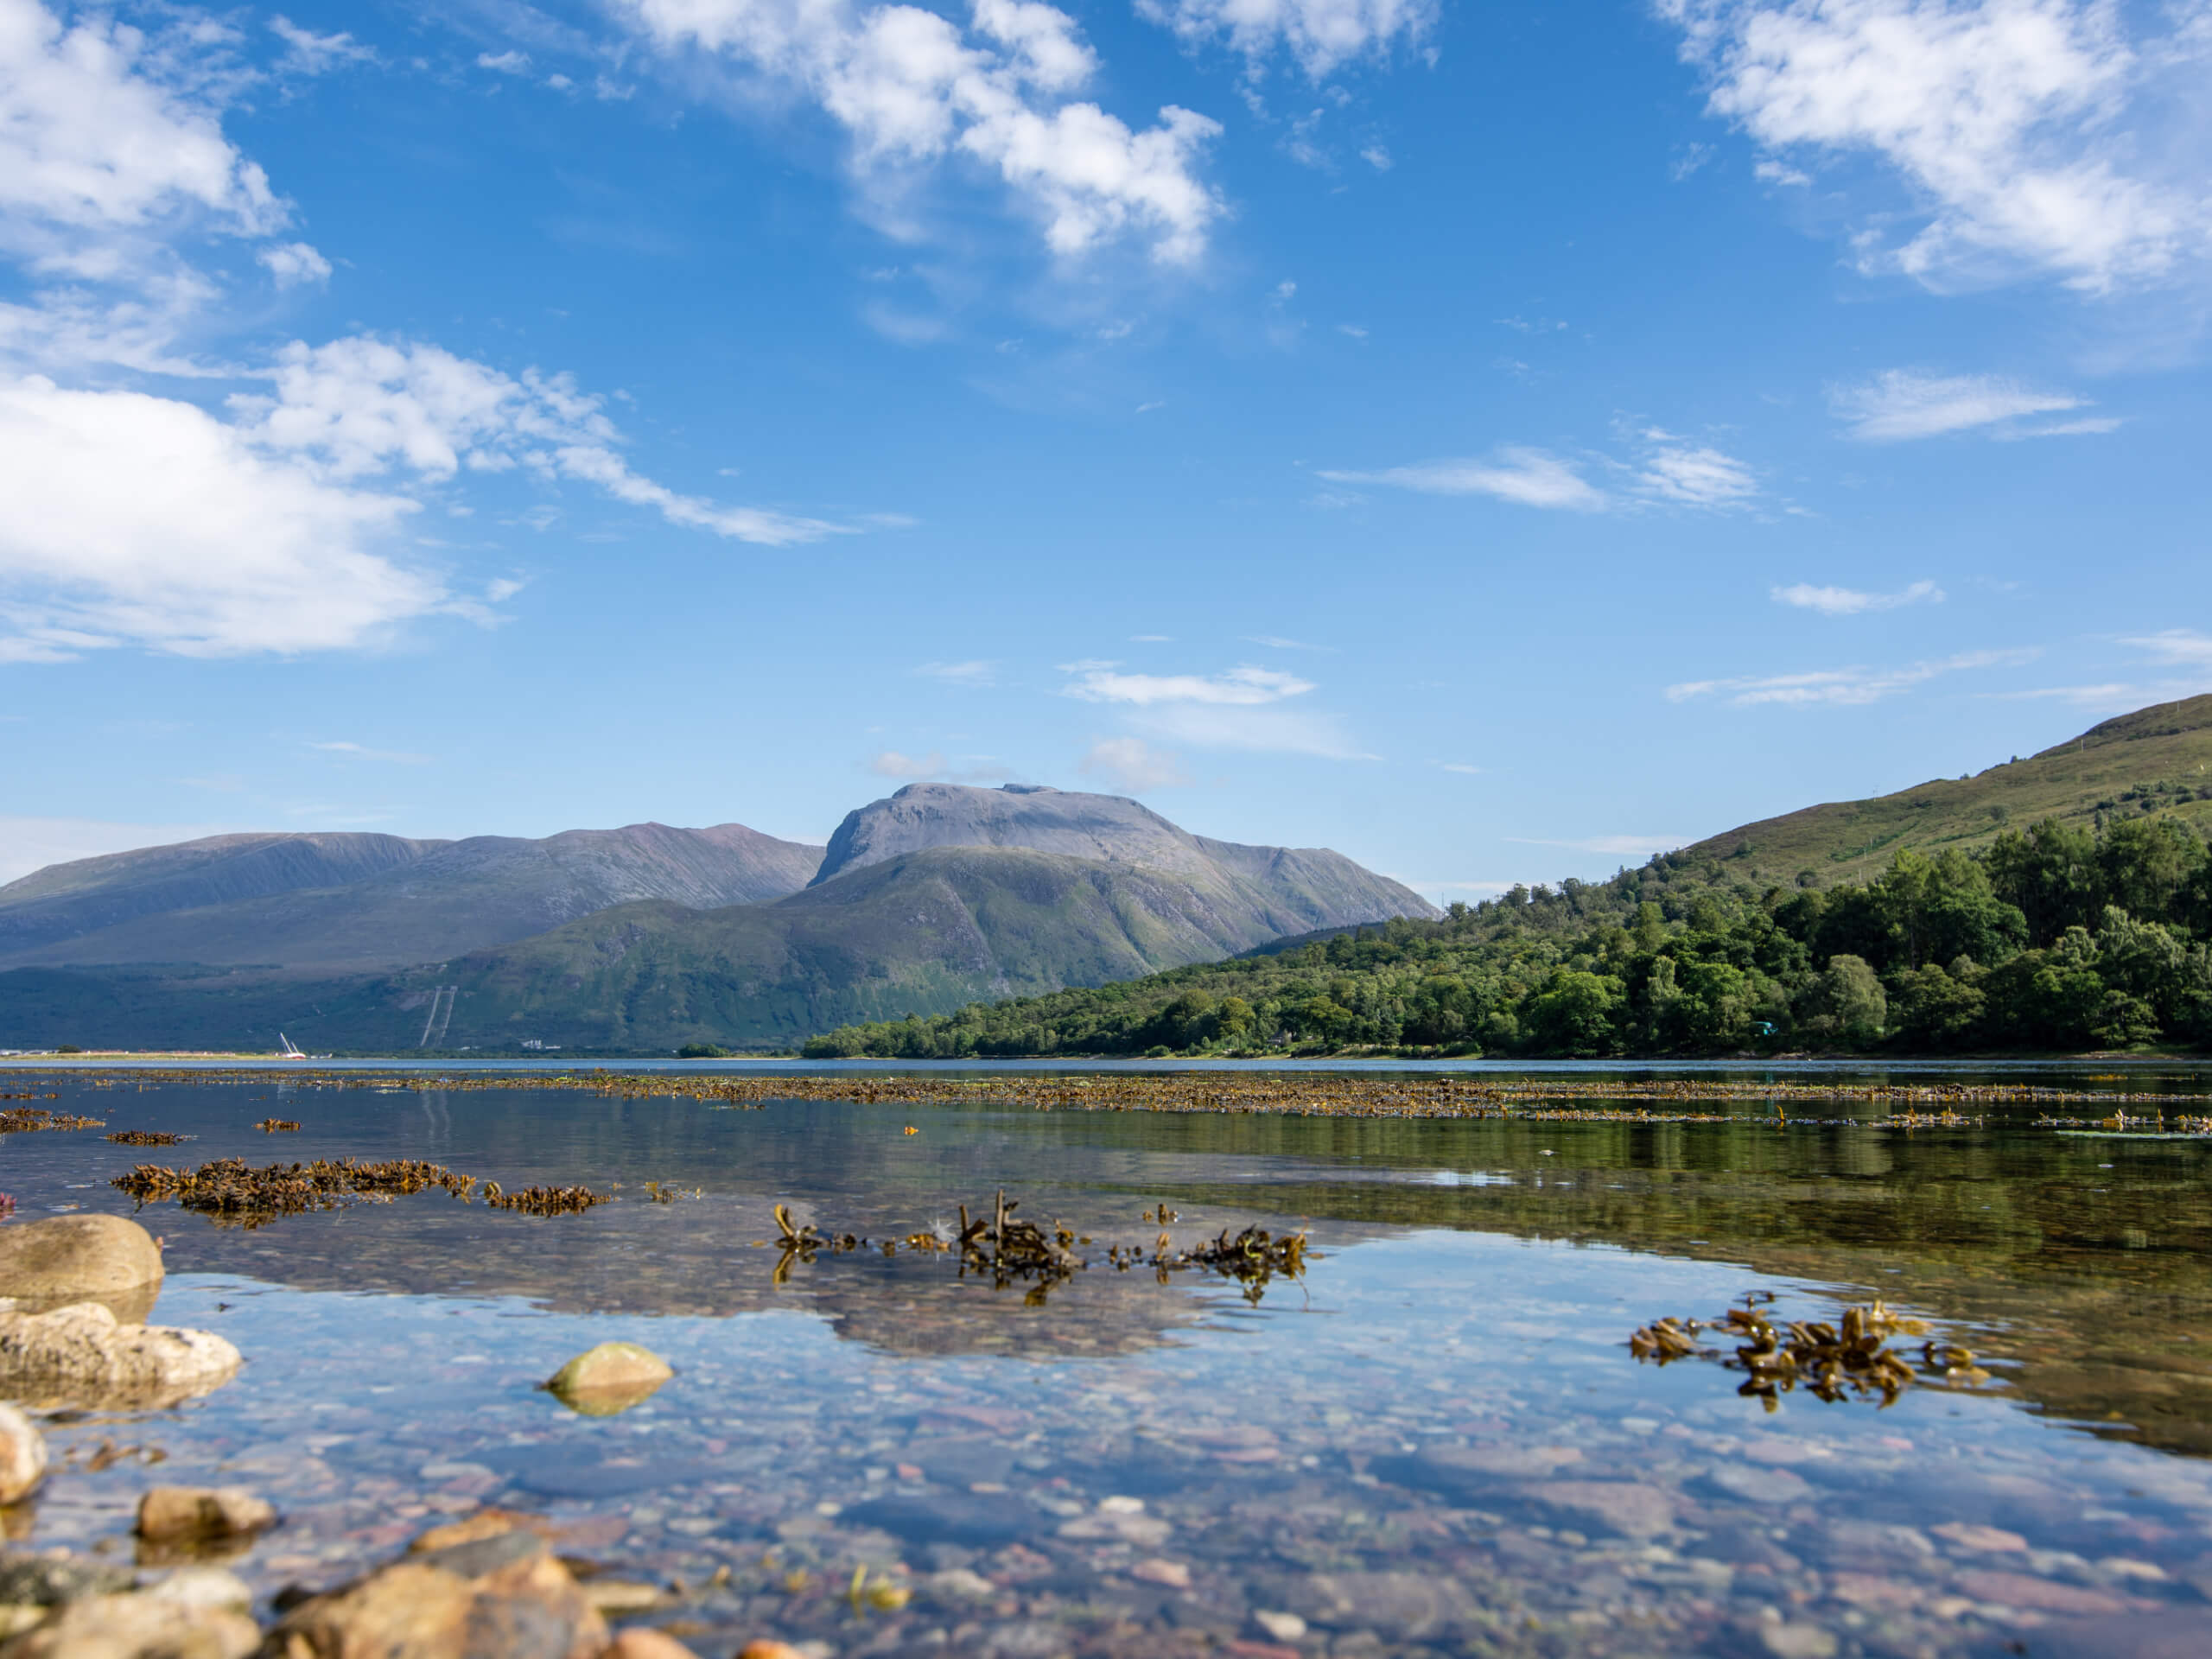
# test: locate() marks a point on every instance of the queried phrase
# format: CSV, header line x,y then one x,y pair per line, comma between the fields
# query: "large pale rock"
x,y
92,1258
23,1455
138,1627
503,1597
81,1355
168,1513
611,1377
648,1645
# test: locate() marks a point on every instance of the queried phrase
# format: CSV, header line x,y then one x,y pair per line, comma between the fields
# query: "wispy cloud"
x,y
1320,35
1260,731
1526,477
892,764
361,752
1694,475
976,674
2175,646
1459,767
1846,686
1614,846
1900,404
1239,686
1276,642
1852,601
1132,764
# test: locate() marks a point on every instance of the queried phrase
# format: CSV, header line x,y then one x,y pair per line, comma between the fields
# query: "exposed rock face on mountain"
x,y
364,900
647,936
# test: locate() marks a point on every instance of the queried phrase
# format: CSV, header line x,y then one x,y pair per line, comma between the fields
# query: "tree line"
x,y
2052,938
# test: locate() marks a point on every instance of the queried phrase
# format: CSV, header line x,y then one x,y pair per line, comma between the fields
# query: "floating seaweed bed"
x,y
229,1191
273,1125
145,1138
1833,1362
21,1119
1010,1249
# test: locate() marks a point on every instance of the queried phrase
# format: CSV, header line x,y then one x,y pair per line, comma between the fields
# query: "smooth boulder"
x,y
610,1378
138,1627
171,1514
82,1356
23,1455
505,1595
90,1258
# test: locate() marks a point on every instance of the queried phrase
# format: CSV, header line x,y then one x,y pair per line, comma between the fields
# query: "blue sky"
x,y
1495,441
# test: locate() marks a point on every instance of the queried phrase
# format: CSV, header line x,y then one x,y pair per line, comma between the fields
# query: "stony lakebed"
x,y
1266,1365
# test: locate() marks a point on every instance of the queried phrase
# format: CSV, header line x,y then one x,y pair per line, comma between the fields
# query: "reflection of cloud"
x,y
1131,764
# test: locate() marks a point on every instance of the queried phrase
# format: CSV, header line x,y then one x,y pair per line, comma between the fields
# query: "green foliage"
x,y
2051,938
702,1051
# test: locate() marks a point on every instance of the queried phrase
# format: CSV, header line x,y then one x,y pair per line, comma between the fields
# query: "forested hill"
x,y
2085,928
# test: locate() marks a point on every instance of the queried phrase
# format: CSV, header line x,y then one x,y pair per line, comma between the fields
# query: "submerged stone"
x,y
608,1379
83,1355
91,1258
23,1455
168,1513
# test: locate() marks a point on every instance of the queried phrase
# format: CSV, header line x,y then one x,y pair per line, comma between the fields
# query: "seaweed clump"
x,y
1850,1360
18,1120
271,1125
144,1138
230,1190
544,1200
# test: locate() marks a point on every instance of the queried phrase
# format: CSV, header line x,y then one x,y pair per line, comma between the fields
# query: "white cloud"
x,y
509,62
1319,34
1152,638
361,405
2088,426
1530,477
1264,731
360,751
30,844
96,154
914,88
1133,765
1852,601
1845,686
2175,646
1696,477
1899,404
1459,767
976,674
2032,133
1239,687
892,764
294,264
132,519
1617,846
315,54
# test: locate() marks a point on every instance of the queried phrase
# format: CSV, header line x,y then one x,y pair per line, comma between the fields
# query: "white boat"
x,y
287,1053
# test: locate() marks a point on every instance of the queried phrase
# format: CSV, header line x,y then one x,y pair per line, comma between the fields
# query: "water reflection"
x,y
1435,1443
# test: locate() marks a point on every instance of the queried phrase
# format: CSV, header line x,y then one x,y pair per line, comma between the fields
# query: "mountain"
x,y
2156,759
327,901
930,898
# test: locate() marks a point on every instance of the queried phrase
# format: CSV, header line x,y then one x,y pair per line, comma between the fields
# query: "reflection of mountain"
x,y
2095,1283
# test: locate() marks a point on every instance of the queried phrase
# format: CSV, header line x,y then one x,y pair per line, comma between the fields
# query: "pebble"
x,y
1174,1575
23,1455
610,1379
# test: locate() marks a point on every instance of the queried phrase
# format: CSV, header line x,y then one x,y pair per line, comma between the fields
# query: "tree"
x,y
2049,875
1847,1004
1573,1016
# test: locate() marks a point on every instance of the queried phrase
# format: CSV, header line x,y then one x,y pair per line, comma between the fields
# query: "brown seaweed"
x,y
1850,1359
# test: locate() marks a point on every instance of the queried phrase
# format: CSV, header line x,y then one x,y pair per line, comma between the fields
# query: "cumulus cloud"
x,y
914,88
2034,135
134,520
1899,405
1852,601
1133,765
1243,687
294,264
1526,477
1320,35
311,54
1847,686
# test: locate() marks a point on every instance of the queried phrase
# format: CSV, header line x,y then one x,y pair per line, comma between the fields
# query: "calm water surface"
x,y
1436,1443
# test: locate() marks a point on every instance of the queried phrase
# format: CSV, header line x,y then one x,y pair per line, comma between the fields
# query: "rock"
x,y
613,1596
485,1523
648,1645
2040,1595
49,1580
23,1455
203,1587
83,1355
1282,1627
765,1648
1622,1506
503,1597
1788,1640
138,1627
91,1258
1173,1574
610,1378
169,1513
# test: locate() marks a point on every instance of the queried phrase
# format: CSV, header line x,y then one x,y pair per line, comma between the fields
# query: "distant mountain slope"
x,y
2156,759
365,901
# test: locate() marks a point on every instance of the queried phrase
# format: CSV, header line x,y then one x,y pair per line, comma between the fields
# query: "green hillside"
x,y
2157,760
2059,903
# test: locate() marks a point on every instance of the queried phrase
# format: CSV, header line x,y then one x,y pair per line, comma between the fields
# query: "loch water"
x,y
1435,1442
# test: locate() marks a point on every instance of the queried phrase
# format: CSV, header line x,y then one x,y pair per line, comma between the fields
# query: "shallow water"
x,y
1436,1442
